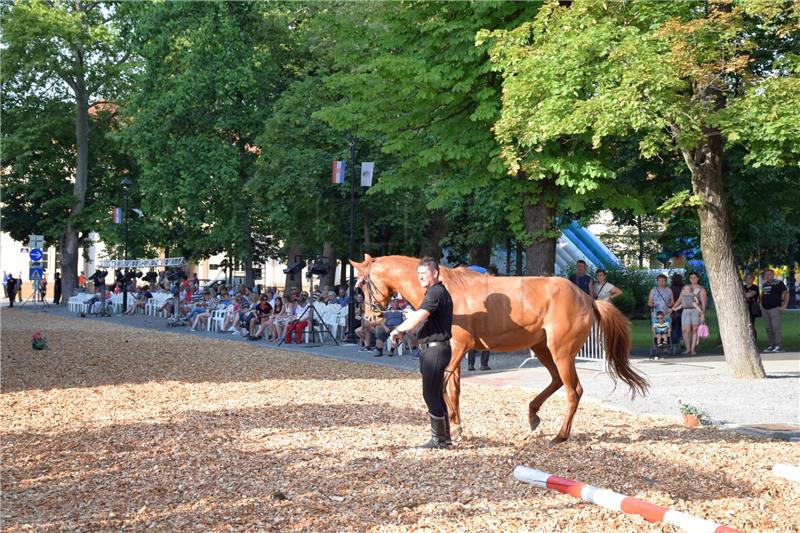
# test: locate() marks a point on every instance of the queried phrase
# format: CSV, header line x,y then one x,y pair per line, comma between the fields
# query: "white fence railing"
x,y
593,350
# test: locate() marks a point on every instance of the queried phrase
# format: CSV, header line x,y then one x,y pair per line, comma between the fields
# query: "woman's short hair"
x,y
662,276
693,273
603,270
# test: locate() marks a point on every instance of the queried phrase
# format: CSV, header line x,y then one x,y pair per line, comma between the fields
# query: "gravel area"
x,y
122,428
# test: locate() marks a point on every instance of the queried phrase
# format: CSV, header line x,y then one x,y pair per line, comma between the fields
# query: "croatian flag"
x,y
337,174
117,215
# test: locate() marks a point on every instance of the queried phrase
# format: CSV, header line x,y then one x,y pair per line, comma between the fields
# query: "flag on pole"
x,y
337,174
366,174
117,215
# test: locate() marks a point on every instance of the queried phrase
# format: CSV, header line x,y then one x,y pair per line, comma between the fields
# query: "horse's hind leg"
x,y
542,353
452,381
569,375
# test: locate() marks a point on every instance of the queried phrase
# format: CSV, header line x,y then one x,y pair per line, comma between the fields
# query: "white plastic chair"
x,y
216,320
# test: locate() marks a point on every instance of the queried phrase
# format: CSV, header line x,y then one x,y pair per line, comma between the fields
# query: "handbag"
x,y
702,331
754,308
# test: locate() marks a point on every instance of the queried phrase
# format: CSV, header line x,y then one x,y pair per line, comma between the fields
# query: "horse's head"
x,y
372,280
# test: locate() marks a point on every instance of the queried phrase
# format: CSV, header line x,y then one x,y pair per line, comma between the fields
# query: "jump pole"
x,y
619,502
787,472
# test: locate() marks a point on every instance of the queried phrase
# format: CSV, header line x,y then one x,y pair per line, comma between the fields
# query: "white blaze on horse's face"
x,y
426,276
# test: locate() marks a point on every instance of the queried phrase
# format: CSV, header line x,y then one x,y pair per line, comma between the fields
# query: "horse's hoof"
x,y
455,432
534,421
557,440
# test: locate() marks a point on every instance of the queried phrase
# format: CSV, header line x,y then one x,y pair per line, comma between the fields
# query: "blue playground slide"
x,y
576,243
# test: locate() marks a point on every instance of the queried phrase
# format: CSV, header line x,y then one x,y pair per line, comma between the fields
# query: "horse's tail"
x,y
616,330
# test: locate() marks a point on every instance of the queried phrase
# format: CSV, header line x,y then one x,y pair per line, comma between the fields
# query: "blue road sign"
x,y
35,274
36,254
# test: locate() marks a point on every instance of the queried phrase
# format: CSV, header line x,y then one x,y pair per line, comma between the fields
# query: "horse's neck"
x,y
410,290
407,286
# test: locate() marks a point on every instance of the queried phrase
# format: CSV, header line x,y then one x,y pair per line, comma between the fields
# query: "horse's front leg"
x,y
452,377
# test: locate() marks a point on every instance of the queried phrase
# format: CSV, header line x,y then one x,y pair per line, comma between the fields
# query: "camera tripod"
x,y
312,330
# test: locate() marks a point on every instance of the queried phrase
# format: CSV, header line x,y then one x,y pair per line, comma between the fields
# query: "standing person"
x,y
774,299
5,284
18,287
436,316
491,270
11,289
581,278
676,287
693,303
81,280
752,298
661,298
42,288
57,289
603,290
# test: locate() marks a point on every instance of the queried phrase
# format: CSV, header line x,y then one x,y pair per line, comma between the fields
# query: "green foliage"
x,y
211,72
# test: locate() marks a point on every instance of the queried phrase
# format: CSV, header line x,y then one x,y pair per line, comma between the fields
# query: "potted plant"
x,y
38,341
691,414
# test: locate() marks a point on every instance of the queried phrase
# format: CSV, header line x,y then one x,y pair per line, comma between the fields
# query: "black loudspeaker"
x,y
294,268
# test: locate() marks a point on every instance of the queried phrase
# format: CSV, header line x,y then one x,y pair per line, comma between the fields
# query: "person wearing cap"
x,y
436,316
391,319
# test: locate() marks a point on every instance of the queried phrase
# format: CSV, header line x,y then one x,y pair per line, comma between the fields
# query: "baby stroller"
x,y
660,350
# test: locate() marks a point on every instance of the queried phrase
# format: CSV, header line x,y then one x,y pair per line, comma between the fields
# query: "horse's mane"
x,y
459,278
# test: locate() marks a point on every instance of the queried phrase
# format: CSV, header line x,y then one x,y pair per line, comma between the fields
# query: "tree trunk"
x,y
329,254
508,257
437,227
249,274
741,352
293,280
69,238
517,259
481,254
344,271
539,221
640,236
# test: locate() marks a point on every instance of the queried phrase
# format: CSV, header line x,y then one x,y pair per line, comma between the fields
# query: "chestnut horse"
x,y
548,315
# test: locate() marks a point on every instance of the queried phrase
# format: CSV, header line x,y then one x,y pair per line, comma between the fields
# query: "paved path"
x,y
701,381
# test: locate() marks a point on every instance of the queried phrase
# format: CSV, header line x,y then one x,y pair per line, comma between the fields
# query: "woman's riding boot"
x,y
440,433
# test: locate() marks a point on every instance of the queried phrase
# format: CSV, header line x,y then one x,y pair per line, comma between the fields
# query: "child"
x,y
661,329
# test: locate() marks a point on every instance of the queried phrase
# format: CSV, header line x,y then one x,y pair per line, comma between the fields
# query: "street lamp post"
x,y
125,184
351,305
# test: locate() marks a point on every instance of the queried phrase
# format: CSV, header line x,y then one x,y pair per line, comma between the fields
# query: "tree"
x,y
411,78
65,51
680,76
211,73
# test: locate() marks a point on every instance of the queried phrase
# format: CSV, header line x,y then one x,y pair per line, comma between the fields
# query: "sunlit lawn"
x,y
790,322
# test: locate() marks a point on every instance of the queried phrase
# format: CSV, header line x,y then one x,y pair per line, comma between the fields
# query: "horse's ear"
x,y
367,259
357,266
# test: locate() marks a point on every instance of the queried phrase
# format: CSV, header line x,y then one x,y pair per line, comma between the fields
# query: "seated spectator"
x,y
208,304
140,299
281,314
261,316
366,332
232,315
343,297
391,319
298,321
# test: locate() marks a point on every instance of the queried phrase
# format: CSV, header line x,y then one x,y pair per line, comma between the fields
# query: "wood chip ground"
x,y
116,428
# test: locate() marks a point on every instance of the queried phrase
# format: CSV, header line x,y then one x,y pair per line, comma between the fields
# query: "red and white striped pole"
x,y
619,502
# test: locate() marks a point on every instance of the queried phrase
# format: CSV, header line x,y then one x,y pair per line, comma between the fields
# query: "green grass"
x,y
790,329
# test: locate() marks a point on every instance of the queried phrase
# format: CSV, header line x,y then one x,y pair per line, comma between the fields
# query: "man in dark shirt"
x,y
774,299
581,279
436,316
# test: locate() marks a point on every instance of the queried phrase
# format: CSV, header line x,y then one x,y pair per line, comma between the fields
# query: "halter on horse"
x,y
548,315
